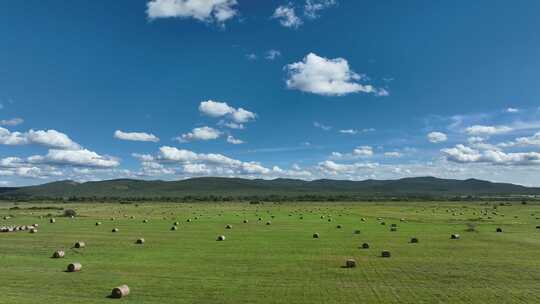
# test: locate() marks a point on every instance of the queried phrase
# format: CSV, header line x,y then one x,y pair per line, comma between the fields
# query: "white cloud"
x,y
437,137
480,130
330,77
358,152
312,8
217,164
512,110
333,168
203,10
82,157
235,141
135,136
215,108
287,16
12,138
51,139
48,138
363,151
222,109
349,131
202,133
393,154
242,116
231,125
11,122
533,140
464,154
272,54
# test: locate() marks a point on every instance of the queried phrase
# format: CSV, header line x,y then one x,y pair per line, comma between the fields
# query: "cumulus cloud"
x,y
217,163
236,116
12,138
235,141
287,16
333,168
533,140
11,122
463,154
202,133
82,157
437,137
329,77
51,139
47,138
135,136
358,152
363,151
480,130
203,10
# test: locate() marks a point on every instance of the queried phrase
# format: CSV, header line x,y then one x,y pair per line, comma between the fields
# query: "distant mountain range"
x,y
244,188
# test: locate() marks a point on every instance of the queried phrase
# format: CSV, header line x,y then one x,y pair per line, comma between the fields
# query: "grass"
x,y
279,263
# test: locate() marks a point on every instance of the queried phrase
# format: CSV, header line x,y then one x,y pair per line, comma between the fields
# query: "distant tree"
x,y
70,212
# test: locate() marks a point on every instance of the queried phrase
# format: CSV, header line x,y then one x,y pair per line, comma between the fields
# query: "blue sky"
x,y
170,89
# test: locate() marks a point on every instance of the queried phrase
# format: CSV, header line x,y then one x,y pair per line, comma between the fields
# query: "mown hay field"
x,y
275,259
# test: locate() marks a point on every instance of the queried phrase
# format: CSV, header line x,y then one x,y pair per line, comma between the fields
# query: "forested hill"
x,y
230,188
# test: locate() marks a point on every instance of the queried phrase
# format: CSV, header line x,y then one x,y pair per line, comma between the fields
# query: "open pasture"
x,y
270,253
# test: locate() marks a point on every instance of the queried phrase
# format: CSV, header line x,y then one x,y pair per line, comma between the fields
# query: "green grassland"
x,y
277,263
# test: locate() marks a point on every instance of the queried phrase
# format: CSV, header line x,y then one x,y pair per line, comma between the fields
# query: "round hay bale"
x,y
173,228
363,219
260,219
188,220
80,244
176,223
139,241
145,221
36,225
52,221
454,236
316,235
393,225
58,254
383,223
339,226
268,223
385,254
74,267
499,229
115,230
98,223
120,292
365,246
329,220
414,240
221,238
350,263
393,229
228,227
301,217
357,231
245,221
33,230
